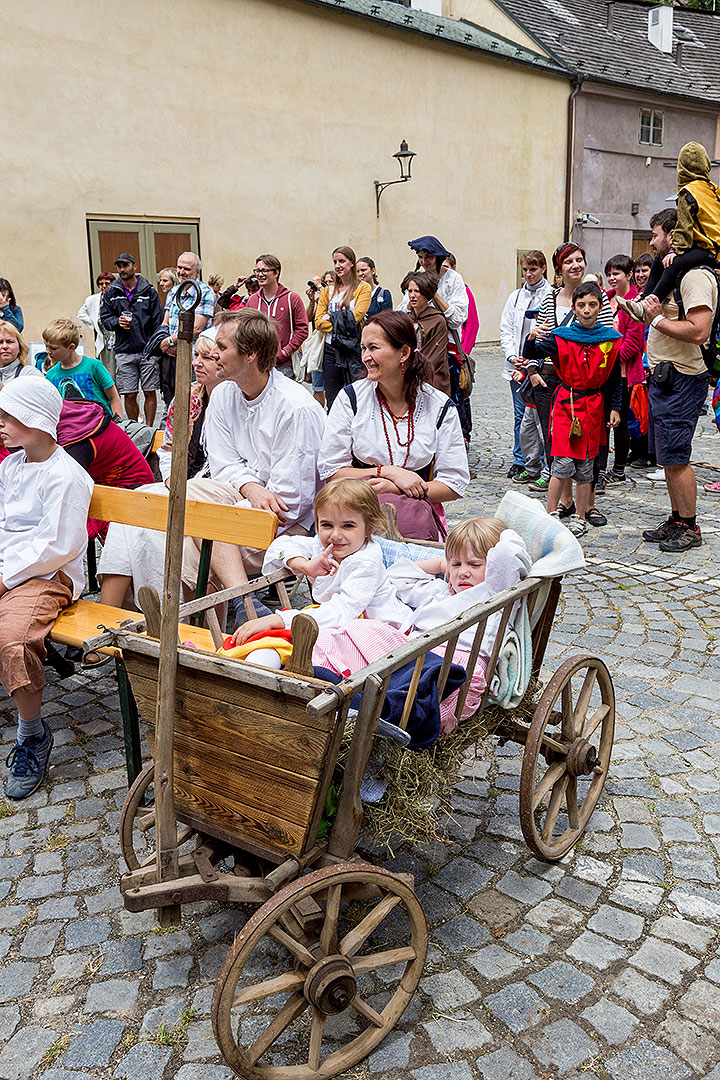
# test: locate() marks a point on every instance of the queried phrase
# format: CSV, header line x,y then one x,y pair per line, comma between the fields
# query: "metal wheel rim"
x,y
551,850
258,926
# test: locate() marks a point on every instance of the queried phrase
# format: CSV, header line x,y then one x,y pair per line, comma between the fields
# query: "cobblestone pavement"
x,y
603,966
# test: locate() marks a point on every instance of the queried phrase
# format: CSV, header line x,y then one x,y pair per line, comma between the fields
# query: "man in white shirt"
x,y
516,322
262,434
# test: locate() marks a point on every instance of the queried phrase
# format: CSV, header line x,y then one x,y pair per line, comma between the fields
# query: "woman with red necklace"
x,y
396,431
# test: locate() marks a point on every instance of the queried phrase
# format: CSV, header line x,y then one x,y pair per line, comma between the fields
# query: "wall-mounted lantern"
x,y
404,158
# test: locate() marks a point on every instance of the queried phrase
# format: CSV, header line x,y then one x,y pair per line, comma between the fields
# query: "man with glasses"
x,y
283,307
188,269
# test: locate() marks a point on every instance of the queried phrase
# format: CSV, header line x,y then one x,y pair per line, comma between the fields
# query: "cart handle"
x,y
183,290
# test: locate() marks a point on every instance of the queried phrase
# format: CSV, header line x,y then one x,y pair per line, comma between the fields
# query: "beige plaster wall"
x,y
268,120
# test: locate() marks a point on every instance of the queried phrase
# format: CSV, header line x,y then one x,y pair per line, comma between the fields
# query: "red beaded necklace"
x,y
409,417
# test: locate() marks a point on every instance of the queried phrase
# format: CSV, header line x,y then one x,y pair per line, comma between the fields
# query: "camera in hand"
x,y
313,285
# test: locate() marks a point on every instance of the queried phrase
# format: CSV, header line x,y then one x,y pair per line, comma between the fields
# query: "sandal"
x,y
595,518
566,511
715,488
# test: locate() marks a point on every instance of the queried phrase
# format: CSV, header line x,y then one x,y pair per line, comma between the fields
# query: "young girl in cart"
x,y
482,557
345,567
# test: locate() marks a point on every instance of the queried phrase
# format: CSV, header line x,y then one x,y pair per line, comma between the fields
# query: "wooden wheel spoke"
x,y
361,1006
304,955
359,934
551,777
316,1035
145,819
328,934
568,721
281,984
571,800
593,722
584,696
361,964
289,1012
553,810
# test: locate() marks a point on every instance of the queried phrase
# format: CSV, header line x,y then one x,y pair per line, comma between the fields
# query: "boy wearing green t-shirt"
x,y
88,376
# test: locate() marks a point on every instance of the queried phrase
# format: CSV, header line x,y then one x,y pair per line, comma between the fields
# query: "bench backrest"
x,y
206,521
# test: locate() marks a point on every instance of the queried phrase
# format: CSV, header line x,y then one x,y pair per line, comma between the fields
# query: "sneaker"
x,y
658,475
633,308
612,478
663,532
525,477
639,463
239,613
28,762
539,486
682,539
714,488
566,511
514,471
576,525
600,485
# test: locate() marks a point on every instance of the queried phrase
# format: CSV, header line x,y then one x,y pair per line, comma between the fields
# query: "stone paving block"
x,y
24,1052
166,1014
699,1048
579,892
641,993
449,989
555,916
463,876
142,1061
505,1064
638,836
645,1060
201,1044
204,1072
682,932
638,896
518,1006
40,940
562,981
94,1045
173,972
450,1070
692,863
30,888
9,1020
529,941
121,956
464,1033
617,924
54,1005
702,1003
697,902
562,1045
657,958
494,909
17,980
114,996
612,1022
69,968
526,890
13,915
712,971
79,935
494,962
594,870
462,933
674,830
644,867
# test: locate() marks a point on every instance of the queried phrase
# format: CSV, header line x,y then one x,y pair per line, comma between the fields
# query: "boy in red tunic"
x,y
585,357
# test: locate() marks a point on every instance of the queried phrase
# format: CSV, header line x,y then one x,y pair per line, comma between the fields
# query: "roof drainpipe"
x,y
610,10
570,157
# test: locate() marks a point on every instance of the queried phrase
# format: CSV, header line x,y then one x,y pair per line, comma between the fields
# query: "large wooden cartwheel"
x,y
292,999
564,768
137,822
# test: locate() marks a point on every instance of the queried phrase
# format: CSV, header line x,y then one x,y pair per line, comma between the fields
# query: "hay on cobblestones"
x,y
418,800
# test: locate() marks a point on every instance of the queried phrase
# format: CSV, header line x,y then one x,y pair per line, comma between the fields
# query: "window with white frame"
x,y
651,127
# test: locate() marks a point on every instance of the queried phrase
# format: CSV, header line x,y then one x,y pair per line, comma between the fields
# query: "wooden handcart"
x,y
232,805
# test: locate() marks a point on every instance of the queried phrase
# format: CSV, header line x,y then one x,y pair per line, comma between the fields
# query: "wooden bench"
x,y
83,623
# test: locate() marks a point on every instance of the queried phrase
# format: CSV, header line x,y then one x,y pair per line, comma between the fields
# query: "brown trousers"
x,y
27,614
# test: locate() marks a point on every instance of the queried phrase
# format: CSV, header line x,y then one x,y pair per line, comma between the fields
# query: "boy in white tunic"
x,y
44,502
344,564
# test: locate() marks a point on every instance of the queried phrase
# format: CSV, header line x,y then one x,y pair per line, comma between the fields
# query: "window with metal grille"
x,y
651,127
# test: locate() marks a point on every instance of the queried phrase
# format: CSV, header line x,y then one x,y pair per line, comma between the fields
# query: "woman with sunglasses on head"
x,y
341,311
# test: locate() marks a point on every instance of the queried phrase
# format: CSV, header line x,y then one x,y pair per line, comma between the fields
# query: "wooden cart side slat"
x,y
492,662
235,691
423,643
329,770
253,735
251,784
299,687
261,834
541,632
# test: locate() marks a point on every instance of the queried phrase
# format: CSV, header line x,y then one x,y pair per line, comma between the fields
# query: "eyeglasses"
x,y
260,272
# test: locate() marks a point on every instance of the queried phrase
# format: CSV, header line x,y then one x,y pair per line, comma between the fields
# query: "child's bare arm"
x,y
433,566
257,626
321,565
114,400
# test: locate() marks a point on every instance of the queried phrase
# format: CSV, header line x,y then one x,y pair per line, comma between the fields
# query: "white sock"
x,y
29,729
